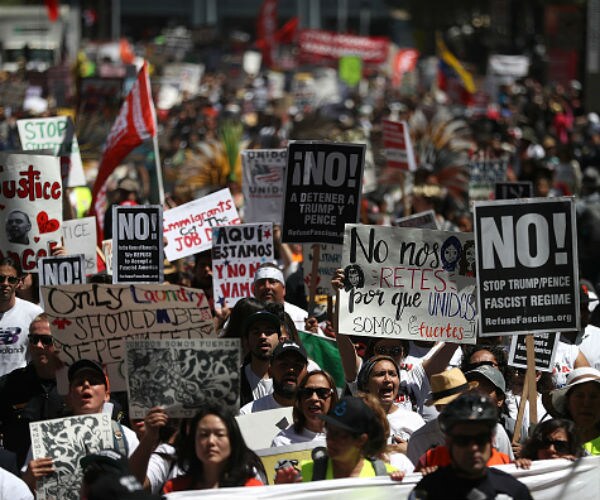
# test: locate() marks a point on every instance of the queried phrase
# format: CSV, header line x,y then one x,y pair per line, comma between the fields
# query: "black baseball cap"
x,y
108,460
350,414
285,347
262,316
88,364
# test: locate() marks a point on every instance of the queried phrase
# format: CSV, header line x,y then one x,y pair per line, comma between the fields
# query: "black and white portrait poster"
x,y
322,191
66,441
527,273
182,375
263,171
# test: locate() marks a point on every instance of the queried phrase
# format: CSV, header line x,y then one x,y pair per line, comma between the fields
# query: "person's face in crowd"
x,y
263,337
203,277
583,404
353,277
554,445
315,400
465,224
470,447
343,446
41,345
212,441
87,392
285,371
421,204
483,357
17,227
390,347
9,282
542,187
489,389
269,290
384,382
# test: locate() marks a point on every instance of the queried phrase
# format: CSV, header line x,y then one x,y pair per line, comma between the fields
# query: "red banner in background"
x,y
318,44
267,28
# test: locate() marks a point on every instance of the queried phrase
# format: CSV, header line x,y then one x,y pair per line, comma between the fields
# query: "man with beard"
x,y
288,365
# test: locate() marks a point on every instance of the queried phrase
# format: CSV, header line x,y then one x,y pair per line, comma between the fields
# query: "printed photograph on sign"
x,y
66,441
30,207
79,236
182,375
262,185
545,347
237,252
92,321
527,269
188,227
408,283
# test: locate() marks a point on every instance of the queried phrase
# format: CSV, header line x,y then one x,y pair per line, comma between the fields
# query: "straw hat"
x,y
555,401
447,386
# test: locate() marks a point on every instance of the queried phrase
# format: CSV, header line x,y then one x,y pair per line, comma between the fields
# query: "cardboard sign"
x,y
545,346
62,270
484,173
138,244
263,171
330,259
56,133
67,440
513,190
237,252
398,145
182,375
528,280
408,283
422,220
322,191
30,207
188,227
270,422
350,69
79,236
92,321
271,456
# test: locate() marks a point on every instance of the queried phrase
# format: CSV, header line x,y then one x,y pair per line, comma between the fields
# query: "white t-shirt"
x,y
265,403
403,423
297,314
590,346
13,488
564,362
290,436
14,330
260,386
162,466
401,462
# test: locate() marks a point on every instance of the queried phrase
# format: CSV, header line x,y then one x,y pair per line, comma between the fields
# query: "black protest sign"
x,y
62,270
545,351
137,244
322,191
527,276
513,190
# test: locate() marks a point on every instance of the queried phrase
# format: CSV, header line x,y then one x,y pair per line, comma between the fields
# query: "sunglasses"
x,y
559,446
389,351
12,280
321,392
46,340
465,440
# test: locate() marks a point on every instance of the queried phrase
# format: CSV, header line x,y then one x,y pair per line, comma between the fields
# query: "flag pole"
x,y
159,176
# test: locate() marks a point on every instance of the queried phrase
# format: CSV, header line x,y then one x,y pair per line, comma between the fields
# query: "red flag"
x,y
52,8
267,27
136,123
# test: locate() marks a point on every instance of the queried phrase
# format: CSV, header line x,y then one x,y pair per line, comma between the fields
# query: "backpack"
x,y
120,443
320,467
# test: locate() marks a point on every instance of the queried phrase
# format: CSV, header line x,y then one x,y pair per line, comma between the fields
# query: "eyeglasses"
x,y
321,392
465,440
559,446
46,340
389,351
12,280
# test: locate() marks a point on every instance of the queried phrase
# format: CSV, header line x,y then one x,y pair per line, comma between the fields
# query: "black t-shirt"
x,y
444,484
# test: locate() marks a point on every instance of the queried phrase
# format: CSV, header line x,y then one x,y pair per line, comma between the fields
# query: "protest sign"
x,y
408,283
350,69
58,134
270,422
545,346
79,236
188,227
263,184
330,259
319,44
322,191
237,252
62,270
527,273
271,456
30,207
398,145
484,173
182,375
92,321
108,255
137,244
422,220
513,190
67,440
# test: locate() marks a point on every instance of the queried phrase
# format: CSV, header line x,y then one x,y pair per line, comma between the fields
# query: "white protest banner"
x,y
408,283
527,273
545,346
92,321
79,236
398,146
237,252
182,375
513,190
67,440
58,134
30,207
322,191
188,227
137,244
263,170
330,259
422,220
484,173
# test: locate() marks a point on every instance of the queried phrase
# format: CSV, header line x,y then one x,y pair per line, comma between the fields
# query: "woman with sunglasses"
x,y
315,396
